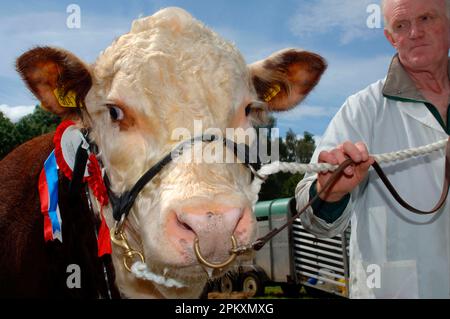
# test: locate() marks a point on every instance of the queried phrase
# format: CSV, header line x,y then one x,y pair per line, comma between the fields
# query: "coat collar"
x,y
400,87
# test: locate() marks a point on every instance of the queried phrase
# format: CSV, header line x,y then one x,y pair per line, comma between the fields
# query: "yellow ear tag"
x,y
69,100
273,91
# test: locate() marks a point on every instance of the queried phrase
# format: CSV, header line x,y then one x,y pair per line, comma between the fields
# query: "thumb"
x,y
364,166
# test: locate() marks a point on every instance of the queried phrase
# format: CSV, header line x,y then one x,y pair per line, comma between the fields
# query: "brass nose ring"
x,y
203,261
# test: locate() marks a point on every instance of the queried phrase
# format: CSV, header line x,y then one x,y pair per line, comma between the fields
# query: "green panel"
x,y
279,206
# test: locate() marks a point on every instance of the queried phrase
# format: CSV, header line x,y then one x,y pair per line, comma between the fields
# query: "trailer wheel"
x,y
227,284
252,285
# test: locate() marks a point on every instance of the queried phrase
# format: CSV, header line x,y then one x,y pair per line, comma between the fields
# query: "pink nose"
x,y
213,228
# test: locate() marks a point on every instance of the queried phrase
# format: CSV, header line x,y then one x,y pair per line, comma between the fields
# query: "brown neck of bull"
x,y
30,267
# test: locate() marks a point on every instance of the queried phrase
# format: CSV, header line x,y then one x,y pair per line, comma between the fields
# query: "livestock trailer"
x,y
292,259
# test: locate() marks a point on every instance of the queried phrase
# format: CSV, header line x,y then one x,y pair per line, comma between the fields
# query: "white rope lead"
x,y
141,271
295,168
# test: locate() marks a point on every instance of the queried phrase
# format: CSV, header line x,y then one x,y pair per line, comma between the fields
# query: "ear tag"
x,y
69,100
273,91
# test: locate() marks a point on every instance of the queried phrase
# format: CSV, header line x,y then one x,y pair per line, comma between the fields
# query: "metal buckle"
x,y
119,239
118,225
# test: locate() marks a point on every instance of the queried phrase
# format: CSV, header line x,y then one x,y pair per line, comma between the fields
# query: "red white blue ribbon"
x,y
67,140
48,193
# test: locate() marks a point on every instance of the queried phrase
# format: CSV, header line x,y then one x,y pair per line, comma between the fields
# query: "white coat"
x,y
393,253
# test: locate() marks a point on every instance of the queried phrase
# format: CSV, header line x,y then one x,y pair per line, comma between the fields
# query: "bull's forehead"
x,y
173,67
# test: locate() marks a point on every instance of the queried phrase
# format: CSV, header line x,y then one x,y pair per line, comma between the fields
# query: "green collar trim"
x,y
431,108
439,118
403,99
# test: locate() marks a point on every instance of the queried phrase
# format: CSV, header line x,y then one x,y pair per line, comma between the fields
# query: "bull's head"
x,y
167,72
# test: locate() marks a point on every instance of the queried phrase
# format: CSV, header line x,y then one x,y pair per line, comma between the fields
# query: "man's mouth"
x,y
419,46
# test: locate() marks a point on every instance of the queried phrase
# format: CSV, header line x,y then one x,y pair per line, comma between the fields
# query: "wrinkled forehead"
x,y
418,7
173,62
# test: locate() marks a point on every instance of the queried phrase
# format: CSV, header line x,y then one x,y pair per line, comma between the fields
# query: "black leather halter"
x,y
122,204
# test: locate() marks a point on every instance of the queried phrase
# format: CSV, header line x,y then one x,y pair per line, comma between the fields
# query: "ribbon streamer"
x,y
48,194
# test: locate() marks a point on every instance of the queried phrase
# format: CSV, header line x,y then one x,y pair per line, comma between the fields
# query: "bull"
x,y
169,71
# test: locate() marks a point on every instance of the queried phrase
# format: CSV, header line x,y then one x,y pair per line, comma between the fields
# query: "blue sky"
x,y
337,29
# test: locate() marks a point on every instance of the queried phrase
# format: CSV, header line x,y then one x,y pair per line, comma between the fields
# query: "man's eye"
x,y
115,112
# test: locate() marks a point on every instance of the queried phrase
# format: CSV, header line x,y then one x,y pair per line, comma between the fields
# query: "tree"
x,y
8,136
291,146
35,124
292,149
304,148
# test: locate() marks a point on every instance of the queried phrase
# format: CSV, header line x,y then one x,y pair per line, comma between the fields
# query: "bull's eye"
x,y
255,106
115,112
248,109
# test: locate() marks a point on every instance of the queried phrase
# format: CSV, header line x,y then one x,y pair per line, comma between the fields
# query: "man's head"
x,y
419,31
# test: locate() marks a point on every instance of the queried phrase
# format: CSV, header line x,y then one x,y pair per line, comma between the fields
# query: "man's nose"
x,y
417,30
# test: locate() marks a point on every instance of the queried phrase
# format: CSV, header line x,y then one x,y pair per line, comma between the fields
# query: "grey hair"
x,y
383,4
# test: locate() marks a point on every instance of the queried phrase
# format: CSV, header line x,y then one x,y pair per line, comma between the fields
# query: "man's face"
x,y
419,30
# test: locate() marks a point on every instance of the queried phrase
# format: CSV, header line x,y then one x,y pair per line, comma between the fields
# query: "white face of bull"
x,y
163,75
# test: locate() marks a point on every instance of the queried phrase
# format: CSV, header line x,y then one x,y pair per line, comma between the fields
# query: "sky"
x,y
347,33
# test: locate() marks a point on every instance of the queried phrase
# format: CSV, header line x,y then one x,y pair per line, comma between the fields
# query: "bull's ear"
x,y
57,78
286,77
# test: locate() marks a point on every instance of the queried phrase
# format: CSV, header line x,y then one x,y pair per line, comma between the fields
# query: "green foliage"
x,y
32,125
8,136
35,124
291,149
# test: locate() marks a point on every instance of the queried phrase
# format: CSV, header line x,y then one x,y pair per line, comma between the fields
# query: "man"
x,y
393,253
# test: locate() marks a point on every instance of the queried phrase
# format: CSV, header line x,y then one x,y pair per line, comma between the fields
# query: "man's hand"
x,y
353,174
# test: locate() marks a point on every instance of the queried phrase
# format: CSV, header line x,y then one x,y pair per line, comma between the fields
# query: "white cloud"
x,y
347,17
15,113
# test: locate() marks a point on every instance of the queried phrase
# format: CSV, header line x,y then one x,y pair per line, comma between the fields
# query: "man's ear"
x,y
390,38
57,78
286,77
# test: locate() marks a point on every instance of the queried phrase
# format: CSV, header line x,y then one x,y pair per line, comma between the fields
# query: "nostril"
x,y
183,225
186,226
